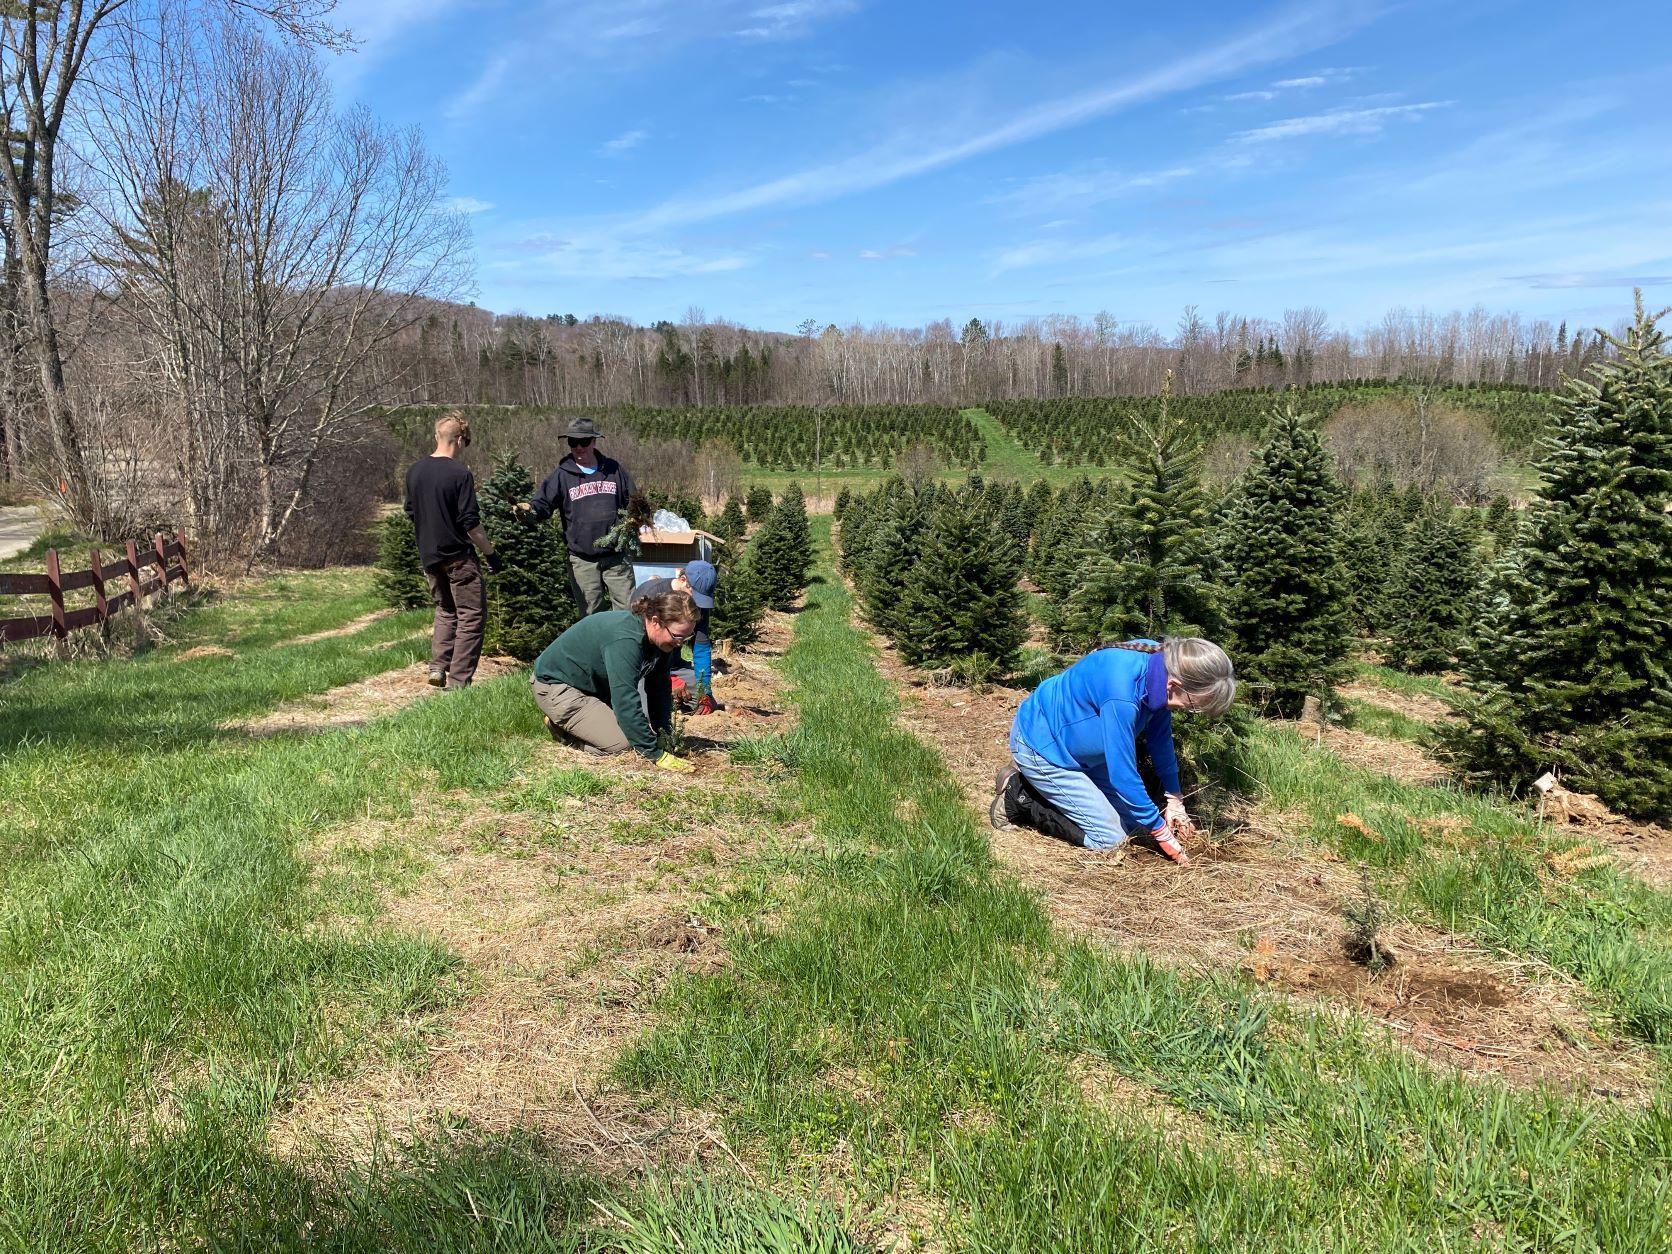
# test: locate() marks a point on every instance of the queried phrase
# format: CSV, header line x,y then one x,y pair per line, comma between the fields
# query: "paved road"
x,y
19,525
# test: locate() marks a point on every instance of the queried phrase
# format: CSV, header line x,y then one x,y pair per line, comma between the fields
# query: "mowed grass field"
x,y
899,1038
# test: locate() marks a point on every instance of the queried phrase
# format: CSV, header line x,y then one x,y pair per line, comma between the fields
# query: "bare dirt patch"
x,y
347,629
356,704
1412,705
569,920
1261,899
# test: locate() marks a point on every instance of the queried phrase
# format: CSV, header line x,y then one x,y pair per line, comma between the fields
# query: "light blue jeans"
x,y
1077,794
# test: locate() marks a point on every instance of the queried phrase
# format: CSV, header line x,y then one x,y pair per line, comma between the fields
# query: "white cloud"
x,y
1315,80
1251,95
1337,122
869,254
626,141
469,204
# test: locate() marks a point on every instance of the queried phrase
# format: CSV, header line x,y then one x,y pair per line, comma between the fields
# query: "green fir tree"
x,y
529,602
1286,605
1148,569
960,605
783,550
1568,667
400,577
730,526
739,602
1432,592
758,504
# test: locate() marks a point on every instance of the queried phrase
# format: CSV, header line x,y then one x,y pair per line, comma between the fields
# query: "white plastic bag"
x,y
667,520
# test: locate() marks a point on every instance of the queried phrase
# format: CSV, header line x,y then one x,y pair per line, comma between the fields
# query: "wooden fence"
x,y
132,569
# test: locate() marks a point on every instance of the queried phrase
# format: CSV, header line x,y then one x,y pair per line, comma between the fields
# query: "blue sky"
x,y
893,161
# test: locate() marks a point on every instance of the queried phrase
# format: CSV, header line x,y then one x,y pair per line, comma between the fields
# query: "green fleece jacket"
x,y
606,655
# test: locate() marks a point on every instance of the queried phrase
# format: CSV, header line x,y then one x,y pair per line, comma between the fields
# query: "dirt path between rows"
x,y
1264,901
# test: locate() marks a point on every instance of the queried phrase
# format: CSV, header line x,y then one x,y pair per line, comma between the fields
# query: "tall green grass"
x,y
905,1026
173,966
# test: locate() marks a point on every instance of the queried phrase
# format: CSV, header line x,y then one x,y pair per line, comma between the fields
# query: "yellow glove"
x,y
679,766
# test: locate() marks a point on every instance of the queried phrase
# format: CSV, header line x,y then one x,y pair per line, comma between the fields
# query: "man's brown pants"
x,y
461,613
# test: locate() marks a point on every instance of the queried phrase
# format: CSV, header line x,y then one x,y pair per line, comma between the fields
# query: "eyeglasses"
x,y
580,443
684,638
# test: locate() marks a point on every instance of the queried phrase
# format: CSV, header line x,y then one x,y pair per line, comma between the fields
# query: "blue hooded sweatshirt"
x,y
1089,718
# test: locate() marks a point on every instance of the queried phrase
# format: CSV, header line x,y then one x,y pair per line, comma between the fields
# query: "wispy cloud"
x,y
886,254
1087,186
602,257
1337,122
469,204
625,142
1056,252
1264,95
792,18
915,152
1588,278
619,36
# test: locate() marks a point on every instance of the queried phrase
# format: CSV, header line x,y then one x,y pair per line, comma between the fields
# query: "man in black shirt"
x,y
441,501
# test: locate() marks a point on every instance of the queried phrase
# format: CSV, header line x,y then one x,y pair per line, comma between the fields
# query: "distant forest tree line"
x,y
467,355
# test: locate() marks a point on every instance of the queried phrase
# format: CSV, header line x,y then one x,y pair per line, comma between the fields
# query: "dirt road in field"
x,y
20,525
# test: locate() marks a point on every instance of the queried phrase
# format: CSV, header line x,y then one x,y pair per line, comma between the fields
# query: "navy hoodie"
x,y
588,504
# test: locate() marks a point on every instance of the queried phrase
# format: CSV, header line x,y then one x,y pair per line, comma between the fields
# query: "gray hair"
x,y
1203,670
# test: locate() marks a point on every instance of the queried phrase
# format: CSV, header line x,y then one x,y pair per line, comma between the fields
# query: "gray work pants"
x,y
591,577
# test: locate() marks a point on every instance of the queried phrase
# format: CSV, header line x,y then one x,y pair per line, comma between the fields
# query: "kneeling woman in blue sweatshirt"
x,y
1075,742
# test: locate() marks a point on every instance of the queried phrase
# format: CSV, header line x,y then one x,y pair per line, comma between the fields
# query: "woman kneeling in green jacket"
x,y
587,681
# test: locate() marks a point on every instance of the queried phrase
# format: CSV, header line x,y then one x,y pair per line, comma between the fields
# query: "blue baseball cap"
x,y
702,578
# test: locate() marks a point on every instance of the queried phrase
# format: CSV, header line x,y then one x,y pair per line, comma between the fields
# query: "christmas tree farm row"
x,y
1556,615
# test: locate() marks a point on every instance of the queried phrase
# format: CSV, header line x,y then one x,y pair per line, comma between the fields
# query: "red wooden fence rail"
x,y
55,583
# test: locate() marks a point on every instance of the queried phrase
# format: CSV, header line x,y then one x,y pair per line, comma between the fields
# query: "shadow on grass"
x,y
218,1187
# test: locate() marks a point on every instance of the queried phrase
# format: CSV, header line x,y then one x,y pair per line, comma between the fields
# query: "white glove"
x,y
1176,816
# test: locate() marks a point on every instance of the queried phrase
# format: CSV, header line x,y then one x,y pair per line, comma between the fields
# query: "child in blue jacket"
x,y
1075,742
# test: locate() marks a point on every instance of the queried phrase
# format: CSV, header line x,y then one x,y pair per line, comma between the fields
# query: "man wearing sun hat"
x,y
589,492
698,578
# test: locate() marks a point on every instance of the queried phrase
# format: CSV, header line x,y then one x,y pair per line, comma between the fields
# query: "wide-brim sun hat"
x,y
582,429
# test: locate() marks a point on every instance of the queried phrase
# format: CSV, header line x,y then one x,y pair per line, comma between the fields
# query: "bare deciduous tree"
x,y
273,251
46,49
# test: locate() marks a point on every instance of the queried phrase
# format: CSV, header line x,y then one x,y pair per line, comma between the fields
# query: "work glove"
x,y
679,766
706,705
496,563
1170,844
1176,816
